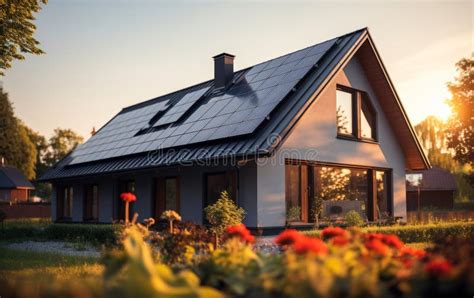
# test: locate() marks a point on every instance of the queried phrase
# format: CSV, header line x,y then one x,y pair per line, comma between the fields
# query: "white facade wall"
x,y
314,138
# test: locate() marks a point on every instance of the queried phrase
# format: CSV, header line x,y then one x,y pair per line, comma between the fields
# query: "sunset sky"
x,y
103,55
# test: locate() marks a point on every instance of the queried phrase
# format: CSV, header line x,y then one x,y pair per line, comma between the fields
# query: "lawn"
x,y
19,265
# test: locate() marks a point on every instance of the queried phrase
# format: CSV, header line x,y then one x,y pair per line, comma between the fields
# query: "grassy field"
x,y
26,264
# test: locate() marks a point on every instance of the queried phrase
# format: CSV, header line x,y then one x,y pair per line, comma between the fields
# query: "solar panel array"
x,y
239,111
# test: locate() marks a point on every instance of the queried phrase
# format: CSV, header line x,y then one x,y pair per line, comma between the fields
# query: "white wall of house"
x,y
314,138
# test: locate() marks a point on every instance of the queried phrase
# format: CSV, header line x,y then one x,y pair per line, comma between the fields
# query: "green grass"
x,y
25,264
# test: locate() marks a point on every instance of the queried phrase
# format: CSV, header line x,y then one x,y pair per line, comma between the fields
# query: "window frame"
x,y
372,214
160,195
90,188
358,98
61,202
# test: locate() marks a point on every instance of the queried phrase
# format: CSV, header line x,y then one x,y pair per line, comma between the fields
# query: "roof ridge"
x,y
144,103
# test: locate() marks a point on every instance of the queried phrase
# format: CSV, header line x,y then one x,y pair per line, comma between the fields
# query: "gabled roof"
x,y
11,178
197,123
434,179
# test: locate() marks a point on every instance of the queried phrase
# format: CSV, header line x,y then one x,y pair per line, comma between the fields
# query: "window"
x,y
355,116
125,186
64,202
344,112
91,202
342,188
216,183
167,195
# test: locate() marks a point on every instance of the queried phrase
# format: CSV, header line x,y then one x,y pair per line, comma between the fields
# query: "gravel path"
x,y
63,248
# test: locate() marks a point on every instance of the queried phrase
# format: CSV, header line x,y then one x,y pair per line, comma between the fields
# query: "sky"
x,y
104,55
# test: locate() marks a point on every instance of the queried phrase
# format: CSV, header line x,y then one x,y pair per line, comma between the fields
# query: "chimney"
x,y
223,70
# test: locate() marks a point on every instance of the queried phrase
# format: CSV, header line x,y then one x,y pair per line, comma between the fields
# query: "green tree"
x,y
15,144
460,128
17,29
61,144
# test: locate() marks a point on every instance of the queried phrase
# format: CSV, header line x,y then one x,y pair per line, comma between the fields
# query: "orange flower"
x,y
412,252
288,237
438,267
305,245
128,197
240,231
393,241
377,246
330,232
339,241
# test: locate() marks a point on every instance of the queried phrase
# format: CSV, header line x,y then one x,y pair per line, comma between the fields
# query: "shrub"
x,y
422,233
45,230
293,214
353,219
223,213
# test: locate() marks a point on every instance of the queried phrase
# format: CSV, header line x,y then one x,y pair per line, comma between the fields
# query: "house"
x,y
324,121
436,190
14,187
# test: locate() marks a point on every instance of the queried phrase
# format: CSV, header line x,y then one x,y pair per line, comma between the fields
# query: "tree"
x,y
61,144
15,144
17,29
460,128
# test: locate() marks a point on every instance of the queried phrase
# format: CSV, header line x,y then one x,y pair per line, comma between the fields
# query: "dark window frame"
x,y
123,186
160,195
231,174
91,218
358,98
60,202
371,177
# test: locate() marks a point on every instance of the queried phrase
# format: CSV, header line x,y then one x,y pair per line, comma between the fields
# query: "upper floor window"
x,y
355,115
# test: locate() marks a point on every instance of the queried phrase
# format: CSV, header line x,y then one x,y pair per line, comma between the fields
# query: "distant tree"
x,y
15,144
17,29
460,128
61,144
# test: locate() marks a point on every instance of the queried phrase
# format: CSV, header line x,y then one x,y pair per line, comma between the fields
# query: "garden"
x,y
224,259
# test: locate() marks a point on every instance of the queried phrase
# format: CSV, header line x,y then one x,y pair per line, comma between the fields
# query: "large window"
x,y
216,183
64,202
91,202
125,186
355,115
167,195
341,189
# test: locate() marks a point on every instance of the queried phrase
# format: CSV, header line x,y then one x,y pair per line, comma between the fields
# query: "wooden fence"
x,y
26,210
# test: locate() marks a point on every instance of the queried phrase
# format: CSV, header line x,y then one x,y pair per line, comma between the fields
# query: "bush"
x,y
293,214
423,233
223,213
353,219
34,229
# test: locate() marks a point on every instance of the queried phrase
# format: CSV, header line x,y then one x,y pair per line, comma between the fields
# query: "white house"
x,y
324,121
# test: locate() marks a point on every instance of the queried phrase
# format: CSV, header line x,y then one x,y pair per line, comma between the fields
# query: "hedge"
x,y
95,234
423,233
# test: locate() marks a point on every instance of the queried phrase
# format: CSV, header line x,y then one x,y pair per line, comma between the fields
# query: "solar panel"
x,y
188,117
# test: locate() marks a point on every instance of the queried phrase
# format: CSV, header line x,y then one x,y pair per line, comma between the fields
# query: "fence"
x,y
26,210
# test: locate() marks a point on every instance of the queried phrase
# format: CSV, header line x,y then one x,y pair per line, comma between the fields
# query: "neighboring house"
x,y
14,187
437,190
323,121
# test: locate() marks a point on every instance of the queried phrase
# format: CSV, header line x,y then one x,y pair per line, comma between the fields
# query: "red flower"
x,y
393,241
128,197
412,252
377,246
306,245
372,236
438,267
330,232
339,241
240,231
288,237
